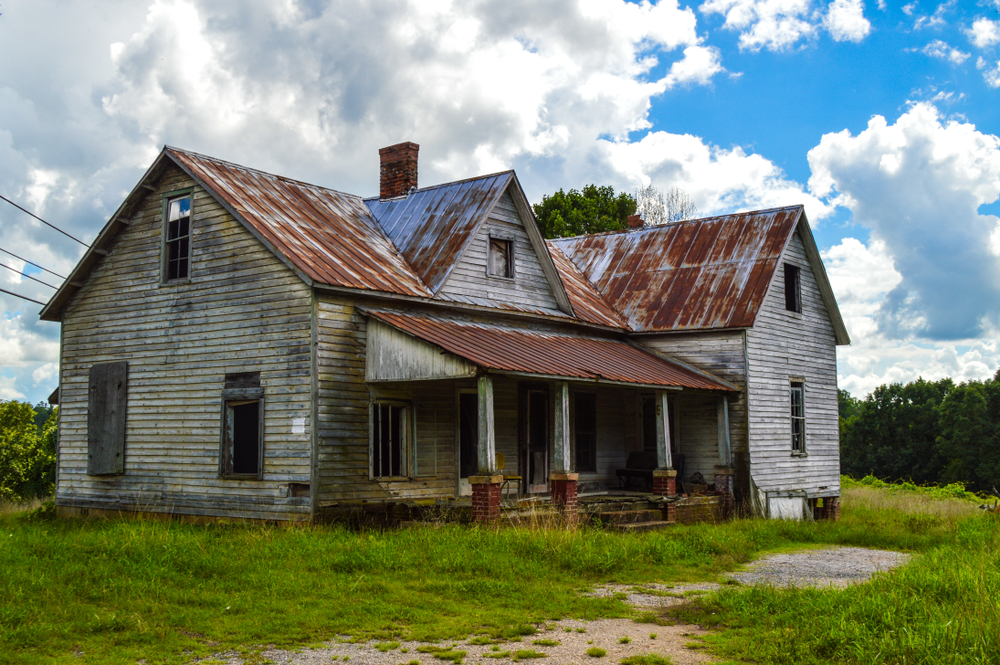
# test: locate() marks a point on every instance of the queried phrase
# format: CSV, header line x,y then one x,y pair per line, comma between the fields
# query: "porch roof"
x,y
520,350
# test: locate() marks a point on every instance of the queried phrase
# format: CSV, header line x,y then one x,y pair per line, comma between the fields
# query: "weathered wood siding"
x,y
243,310
469,280
617,426
783,345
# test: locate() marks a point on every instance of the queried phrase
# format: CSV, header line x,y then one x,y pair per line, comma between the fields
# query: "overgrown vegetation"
x,y
27,451
594,210
123,590
924,432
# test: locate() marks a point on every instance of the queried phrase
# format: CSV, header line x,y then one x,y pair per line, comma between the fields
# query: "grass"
x,y
596,652
119,591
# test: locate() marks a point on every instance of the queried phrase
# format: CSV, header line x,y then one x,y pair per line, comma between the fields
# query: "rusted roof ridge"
x,y
366,199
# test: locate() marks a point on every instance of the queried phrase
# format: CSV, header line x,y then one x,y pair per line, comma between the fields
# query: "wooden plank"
x,y
106,412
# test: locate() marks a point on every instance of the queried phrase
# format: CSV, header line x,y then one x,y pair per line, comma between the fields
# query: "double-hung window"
x,y
798,412
390,434
177,237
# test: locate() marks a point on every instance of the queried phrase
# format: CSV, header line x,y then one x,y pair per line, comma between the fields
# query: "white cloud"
x,y
772,24
917,185
984,33
7,389
845,21
991,73
44,372
940,49
935,20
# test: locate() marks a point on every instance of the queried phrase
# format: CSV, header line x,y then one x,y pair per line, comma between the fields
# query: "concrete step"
x,y
643,526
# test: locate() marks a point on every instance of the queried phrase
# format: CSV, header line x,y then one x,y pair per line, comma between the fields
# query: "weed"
x,y
624,640
527,654
443,653
546,643
496,654
481,639
387,646
647,659
596,652
404,650
652,636
581,630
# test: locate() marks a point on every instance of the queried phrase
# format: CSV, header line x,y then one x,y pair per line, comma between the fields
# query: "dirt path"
x,y
567,641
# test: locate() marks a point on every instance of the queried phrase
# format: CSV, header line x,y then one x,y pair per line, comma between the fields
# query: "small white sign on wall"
x,y
298,426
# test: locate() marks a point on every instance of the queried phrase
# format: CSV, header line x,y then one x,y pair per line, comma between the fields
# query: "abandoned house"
x,y
239,344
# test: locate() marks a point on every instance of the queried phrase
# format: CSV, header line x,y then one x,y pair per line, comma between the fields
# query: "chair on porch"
x,y
500,461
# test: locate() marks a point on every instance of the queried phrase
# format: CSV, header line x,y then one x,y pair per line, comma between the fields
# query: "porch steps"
x,y
652,525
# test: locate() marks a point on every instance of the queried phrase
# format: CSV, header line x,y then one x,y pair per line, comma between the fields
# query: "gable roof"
x,y
701,274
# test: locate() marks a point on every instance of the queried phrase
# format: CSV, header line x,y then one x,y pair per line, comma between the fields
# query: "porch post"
x,y
486,485
664,476
724,470
562,481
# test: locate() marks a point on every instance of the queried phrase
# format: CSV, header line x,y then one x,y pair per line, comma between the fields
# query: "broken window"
x,y
797,392
501,258
585,422
793,288
177,238
390,426
243,426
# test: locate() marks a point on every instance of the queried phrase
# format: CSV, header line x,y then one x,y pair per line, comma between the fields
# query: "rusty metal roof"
x,y
433,226
329,236
693,275
588,303
522,350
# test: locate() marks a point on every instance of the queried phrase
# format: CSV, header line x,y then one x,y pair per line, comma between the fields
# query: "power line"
x,y
28,276
32,263
17,295
43,221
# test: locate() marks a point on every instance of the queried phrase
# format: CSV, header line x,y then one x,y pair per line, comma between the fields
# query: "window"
x,y
585,422
793,289
242,453
177,238
501,258
390,427
797,392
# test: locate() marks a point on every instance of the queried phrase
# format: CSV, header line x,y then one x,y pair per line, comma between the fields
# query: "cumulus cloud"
x,y
991,72
984,33
777,25
917,185
845,21
941,50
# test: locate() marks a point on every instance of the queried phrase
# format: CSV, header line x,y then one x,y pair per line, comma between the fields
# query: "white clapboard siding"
x,y
468,279
783,345
243,310
616,430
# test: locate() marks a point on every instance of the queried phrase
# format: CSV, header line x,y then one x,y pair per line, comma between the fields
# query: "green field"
x,y
118,591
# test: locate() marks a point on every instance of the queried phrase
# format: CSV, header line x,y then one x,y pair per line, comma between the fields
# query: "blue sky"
x,y
880,117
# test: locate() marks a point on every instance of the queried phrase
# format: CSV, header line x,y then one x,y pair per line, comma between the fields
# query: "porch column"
x,y
562,480
486,485
724,471
664,476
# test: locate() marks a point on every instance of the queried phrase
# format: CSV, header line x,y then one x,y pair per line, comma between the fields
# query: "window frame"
x,y
407,453
592,468
187,192
241,389
793,288
511,264
797,438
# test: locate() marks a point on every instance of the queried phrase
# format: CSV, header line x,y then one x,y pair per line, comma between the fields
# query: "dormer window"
x,y
501,258
177,238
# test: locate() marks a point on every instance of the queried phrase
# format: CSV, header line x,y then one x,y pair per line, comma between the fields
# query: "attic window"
x,y
798,413
177,238
793,289
501,258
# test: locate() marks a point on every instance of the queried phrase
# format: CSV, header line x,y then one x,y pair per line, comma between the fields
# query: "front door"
x,y
468,440
535,445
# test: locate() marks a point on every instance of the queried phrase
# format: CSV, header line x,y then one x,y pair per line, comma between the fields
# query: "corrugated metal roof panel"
x,y
588,304
699,274
433,226
515,349
328,235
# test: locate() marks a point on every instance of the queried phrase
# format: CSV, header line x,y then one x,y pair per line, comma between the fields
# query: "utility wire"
x,y
32,263
17,295
43,221
28,276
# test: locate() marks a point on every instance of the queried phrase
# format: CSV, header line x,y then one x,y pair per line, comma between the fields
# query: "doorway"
x,y
534,427
468,440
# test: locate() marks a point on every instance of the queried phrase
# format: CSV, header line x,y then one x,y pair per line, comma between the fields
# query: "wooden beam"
x,y
663,458
487,434
562,457
722,412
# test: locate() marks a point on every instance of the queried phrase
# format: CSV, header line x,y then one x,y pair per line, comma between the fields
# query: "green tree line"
x,y
924,431
27,450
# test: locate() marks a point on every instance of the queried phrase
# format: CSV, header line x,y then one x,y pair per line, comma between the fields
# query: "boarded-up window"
x,y
793,288
797,393
585,425
242,453
501,258
390,429
106,403
177,238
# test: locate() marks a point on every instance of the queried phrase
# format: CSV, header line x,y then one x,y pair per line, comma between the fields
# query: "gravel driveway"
x,y
567,641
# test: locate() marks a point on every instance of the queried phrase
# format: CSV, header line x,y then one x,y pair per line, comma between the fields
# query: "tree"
x,y
27,456
969,442
656,207
594,210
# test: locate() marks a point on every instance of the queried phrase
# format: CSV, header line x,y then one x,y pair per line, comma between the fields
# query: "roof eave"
x,y
823,282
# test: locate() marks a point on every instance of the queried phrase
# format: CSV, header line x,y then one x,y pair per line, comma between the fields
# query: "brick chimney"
x,y
634,221
398,171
